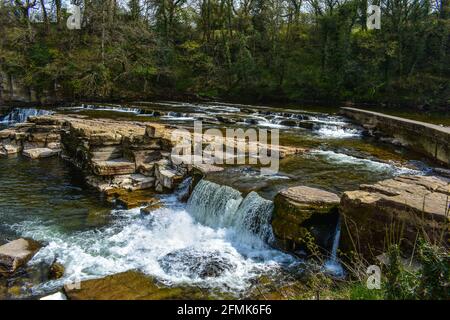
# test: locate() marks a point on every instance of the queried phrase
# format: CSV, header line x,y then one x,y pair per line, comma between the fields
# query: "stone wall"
x,y
428,139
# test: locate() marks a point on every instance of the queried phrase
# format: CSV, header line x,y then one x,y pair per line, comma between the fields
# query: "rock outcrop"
x,y
15,254
305,218
130,285
399,210
115,154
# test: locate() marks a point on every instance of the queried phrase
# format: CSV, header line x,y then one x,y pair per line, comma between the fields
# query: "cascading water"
x,y
177,246
223,207
19,115
332,265
214,205
254,215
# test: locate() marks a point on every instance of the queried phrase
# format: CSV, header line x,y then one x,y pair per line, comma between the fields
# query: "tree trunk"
x,y
44,14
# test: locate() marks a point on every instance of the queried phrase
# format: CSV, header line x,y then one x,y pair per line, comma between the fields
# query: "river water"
x,y
221,239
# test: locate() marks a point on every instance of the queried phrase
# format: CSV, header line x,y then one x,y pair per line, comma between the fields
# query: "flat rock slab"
x,y
429,195
130,285
205,168
38,153
406,206
113,167
16,253
308,195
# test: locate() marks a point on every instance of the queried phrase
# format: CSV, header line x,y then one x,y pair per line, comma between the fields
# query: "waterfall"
x,y
223,207
214,205
332,265
254,215
19,115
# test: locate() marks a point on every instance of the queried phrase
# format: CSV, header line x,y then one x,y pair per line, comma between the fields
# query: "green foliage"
x,y
359,291
263,50
430,281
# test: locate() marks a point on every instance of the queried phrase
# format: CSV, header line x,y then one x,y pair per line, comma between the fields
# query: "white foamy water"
x,y
116,108
333,265
19,115
344,159
337,132
170,244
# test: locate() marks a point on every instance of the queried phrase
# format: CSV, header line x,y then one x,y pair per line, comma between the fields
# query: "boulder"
x,y
130,285
15,254
113,167
398,210
305,218
37,153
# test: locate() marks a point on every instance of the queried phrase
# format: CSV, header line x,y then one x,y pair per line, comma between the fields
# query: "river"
x,y
180,243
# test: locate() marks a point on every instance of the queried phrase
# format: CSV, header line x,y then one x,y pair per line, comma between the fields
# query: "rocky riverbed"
x,y
97,189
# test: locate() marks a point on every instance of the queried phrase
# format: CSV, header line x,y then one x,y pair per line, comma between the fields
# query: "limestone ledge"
x,y
399,210
113,154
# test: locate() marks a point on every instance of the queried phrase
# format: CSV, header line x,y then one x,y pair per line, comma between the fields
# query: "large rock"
x,y
130,285
15,254
399,210
305,218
